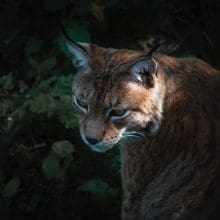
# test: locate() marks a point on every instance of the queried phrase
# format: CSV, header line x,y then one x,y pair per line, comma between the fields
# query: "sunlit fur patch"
x,y
149,103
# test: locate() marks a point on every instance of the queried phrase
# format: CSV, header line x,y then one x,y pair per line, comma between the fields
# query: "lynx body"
x,y
163,113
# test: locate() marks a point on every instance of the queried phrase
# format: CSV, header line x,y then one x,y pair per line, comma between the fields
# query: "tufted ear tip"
x,y
79,51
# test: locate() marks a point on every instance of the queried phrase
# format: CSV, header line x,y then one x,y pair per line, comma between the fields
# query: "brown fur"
x,y
174,173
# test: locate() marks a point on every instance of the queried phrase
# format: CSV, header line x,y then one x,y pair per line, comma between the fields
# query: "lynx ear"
x,y
144,70
79,52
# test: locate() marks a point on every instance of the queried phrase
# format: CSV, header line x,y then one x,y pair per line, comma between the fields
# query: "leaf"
x,y
47,64
98,11
63,85
44,66
22,86
98,187
63,148
65,112
51,166
11,188
32,46
7,82
42,87
34,63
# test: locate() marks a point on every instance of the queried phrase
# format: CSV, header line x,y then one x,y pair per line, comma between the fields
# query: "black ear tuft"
x,y
153,49
79,51
68,39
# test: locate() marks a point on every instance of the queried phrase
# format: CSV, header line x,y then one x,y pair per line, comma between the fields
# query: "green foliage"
x,y
98,188
61,152
63,148
32,46
51,167
44,66
11,188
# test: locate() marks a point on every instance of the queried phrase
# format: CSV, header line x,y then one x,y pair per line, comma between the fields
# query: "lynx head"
x,y
117,93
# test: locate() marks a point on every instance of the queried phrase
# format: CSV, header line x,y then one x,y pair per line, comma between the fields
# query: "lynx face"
x,y
117,94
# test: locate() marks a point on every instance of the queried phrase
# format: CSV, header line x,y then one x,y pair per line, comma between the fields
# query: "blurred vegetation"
x,y
46,172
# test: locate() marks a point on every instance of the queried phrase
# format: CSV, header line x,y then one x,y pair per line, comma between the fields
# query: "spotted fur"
x,y
169,136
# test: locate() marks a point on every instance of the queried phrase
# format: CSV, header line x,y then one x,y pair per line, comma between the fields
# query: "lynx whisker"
x,y
134,133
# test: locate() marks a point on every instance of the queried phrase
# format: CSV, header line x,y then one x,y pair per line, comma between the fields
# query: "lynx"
x,y
163,113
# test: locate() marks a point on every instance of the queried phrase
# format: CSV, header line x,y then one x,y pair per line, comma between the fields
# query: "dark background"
x,y
46,172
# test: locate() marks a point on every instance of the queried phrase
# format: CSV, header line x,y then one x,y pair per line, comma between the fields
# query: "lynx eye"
x,y
80,104
118,113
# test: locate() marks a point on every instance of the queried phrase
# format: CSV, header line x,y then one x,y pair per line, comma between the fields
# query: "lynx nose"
x,y
91,141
